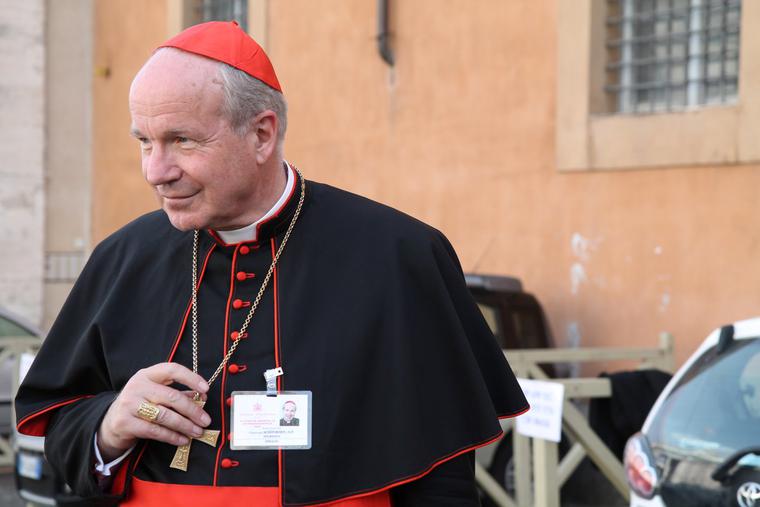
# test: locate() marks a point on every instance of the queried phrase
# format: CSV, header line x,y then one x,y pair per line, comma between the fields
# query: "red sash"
x,y
157,494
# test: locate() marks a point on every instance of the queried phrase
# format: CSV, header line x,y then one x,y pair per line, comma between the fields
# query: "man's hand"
x,y
178,417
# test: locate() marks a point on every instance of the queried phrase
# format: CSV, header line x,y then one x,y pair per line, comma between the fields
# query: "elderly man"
x,y
162,381
289,414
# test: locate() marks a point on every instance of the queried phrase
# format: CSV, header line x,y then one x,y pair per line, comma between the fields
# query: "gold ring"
x,y
148,411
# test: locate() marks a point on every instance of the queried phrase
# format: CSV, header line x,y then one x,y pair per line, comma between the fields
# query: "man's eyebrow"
x,y
169,134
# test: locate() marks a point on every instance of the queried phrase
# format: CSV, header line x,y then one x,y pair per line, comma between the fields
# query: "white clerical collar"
x,y
248,233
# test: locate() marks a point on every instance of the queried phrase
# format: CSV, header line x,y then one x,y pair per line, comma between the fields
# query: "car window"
x,y
749,383
489,313
714,410
8,328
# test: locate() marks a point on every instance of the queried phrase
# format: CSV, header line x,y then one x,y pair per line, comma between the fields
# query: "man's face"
x,y
204,174
289,411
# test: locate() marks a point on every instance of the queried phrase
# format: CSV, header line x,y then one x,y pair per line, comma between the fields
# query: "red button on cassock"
x,y
237,304
229,463
241,276
228,401
244,250
236,368
234,335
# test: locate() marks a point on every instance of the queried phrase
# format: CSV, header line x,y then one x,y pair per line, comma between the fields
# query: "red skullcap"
x,y
224,41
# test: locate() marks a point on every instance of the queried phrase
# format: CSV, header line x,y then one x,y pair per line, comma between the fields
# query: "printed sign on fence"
x,y
544,419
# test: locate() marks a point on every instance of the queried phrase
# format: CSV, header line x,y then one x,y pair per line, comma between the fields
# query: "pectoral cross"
x,y
182,455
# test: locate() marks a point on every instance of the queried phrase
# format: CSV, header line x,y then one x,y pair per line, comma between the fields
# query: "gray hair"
x,y
245,97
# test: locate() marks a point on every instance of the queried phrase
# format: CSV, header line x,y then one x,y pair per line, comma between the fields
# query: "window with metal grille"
x,y
224,10
671,55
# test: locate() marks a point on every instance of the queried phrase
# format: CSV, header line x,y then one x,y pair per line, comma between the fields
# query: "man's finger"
x,y
167,373
175,400
191,394
152,431
171,420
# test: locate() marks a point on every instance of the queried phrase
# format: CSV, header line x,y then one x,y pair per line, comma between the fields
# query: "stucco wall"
x,y
22,147
461,133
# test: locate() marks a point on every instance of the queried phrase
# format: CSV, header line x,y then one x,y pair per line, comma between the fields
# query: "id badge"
x,y
261,421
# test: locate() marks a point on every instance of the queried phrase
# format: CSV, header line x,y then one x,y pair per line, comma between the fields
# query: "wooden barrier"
x,y
549,472
541,456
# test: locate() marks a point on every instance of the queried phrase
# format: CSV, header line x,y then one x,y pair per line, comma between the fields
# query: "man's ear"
x,y
264,133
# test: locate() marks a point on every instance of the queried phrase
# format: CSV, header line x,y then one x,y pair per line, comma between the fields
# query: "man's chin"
x,y
183,222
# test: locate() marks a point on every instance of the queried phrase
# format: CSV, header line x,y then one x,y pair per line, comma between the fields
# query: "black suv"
x,y
515,316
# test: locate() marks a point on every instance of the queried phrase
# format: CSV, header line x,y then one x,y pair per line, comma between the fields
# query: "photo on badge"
x,y
262,421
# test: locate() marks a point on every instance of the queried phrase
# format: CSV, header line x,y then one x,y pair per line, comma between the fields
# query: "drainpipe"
x,y
383,36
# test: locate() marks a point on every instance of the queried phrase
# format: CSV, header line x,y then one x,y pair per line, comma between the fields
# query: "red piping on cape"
x,y
189,306
408,479
275,292
216,236
284,204
35,424
222,399
277,362
38,427
179,336
516,414
419,475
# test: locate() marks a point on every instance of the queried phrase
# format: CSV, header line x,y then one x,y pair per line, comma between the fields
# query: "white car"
x,y
700,444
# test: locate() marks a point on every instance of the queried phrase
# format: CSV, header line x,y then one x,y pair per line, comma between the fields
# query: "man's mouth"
x,y
176,198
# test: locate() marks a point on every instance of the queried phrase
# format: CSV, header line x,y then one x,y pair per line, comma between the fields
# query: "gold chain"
x,y
255,302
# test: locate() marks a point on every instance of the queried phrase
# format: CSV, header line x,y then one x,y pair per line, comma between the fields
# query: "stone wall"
x,y
22,149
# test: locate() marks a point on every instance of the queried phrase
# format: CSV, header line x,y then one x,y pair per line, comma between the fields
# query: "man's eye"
x,y
182,140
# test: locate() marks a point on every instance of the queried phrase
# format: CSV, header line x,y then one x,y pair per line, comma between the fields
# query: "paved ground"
x,y
8,495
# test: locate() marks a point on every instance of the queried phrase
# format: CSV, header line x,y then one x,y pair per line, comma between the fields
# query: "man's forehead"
x,y
176,72
175,82
186,113
168,120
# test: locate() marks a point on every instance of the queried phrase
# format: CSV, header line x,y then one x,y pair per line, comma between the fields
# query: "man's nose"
x,y
159,166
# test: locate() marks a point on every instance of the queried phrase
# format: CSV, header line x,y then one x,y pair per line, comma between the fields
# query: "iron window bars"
x,y
670,55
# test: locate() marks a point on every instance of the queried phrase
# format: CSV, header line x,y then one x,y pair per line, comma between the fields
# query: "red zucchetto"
x,y
226,42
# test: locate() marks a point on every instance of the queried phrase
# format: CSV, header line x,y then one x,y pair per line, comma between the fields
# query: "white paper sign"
x,y
544,419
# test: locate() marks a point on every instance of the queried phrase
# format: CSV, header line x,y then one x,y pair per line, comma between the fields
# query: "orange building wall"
x,y
461,134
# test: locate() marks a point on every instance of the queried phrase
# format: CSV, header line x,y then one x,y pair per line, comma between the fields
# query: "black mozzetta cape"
x,y
368,309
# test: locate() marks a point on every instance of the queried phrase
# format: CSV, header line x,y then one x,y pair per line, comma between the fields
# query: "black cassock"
x,y
367,309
